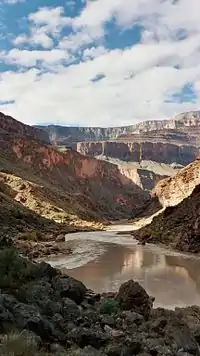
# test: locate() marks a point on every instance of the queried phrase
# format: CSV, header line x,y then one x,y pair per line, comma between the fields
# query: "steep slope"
x,y
177,226
173,190
70,185
13,127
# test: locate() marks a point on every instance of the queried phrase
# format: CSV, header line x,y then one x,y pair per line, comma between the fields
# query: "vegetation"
x,y
18,344
14,270
109,306
30,236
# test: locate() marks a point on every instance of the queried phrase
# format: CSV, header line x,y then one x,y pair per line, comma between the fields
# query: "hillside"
x,y
177,226
171,191
69,189
12,127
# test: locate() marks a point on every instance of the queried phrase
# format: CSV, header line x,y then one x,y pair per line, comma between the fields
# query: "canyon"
x,y
46,193
58,191
146,152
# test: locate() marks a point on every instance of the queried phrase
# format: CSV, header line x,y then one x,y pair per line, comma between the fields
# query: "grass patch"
x,y
16,344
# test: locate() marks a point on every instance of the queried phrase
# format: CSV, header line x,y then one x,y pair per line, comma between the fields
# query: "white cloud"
x,y
38,36
105,87
45,25
94,52
53,18
30,58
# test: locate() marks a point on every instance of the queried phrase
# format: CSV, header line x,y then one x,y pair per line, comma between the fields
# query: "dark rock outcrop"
x,y
39,311
177,226
132,296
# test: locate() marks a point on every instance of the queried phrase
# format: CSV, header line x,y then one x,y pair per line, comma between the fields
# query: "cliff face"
x,y
177,226
171,191
74,186
67,135
13,127
138,151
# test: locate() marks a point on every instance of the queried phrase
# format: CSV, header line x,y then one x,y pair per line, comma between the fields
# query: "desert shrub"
x,y
14,270
109,306
30,236
16,344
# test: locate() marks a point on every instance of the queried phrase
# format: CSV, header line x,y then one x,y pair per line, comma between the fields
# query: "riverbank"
x,y
58,315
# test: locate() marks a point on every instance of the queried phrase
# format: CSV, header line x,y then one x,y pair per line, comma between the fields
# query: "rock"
x,y
108,320
57,350
112,332
70,288
91,351
143,243
70,310
132,296
86,336
45,270
131,318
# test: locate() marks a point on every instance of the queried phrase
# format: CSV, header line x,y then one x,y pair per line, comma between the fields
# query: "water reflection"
x,y
173,279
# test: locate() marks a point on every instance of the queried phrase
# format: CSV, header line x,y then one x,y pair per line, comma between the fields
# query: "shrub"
x,y
14,270
15,344
30,236
109,306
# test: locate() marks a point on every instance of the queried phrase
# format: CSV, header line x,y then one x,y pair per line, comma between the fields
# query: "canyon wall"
x,y
81,185
136,152
171,191
62,135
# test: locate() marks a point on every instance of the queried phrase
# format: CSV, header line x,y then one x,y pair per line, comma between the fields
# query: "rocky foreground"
x,y
43,312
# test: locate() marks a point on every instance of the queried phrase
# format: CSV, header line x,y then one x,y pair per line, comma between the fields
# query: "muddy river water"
x,y
104,260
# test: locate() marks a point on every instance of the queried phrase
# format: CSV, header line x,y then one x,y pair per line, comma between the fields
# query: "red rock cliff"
x,y
88,185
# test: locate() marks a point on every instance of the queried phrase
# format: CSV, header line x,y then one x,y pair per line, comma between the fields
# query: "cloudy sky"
x,y
99,62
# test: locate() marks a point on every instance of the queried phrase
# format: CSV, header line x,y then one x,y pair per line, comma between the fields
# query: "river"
x,y
104,260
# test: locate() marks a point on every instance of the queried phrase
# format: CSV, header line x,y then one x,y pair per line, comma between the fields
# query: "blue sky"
x,y
98,62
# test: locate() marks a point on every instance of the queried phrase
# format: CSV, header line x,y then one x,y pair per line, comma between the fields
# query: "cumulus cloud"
x,y
88,82
30,58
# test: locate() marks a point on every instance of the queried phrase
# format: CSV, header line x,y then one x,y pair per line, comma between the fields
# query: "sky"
x,y
98,62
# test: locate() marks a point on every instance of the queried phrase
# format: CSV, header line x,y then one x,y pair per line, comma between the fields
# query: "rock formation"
x,y
178,226
134,151
171,191
43,312
174,142
75,191
67,135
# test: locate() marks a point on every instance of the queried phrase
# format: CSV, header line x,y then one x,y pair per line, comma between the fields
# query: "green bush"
x,y
14,270
109,306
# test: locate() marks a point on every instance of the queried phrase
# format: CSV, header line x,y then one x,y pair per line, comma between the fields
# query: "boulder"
x,y
132,296
70,288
